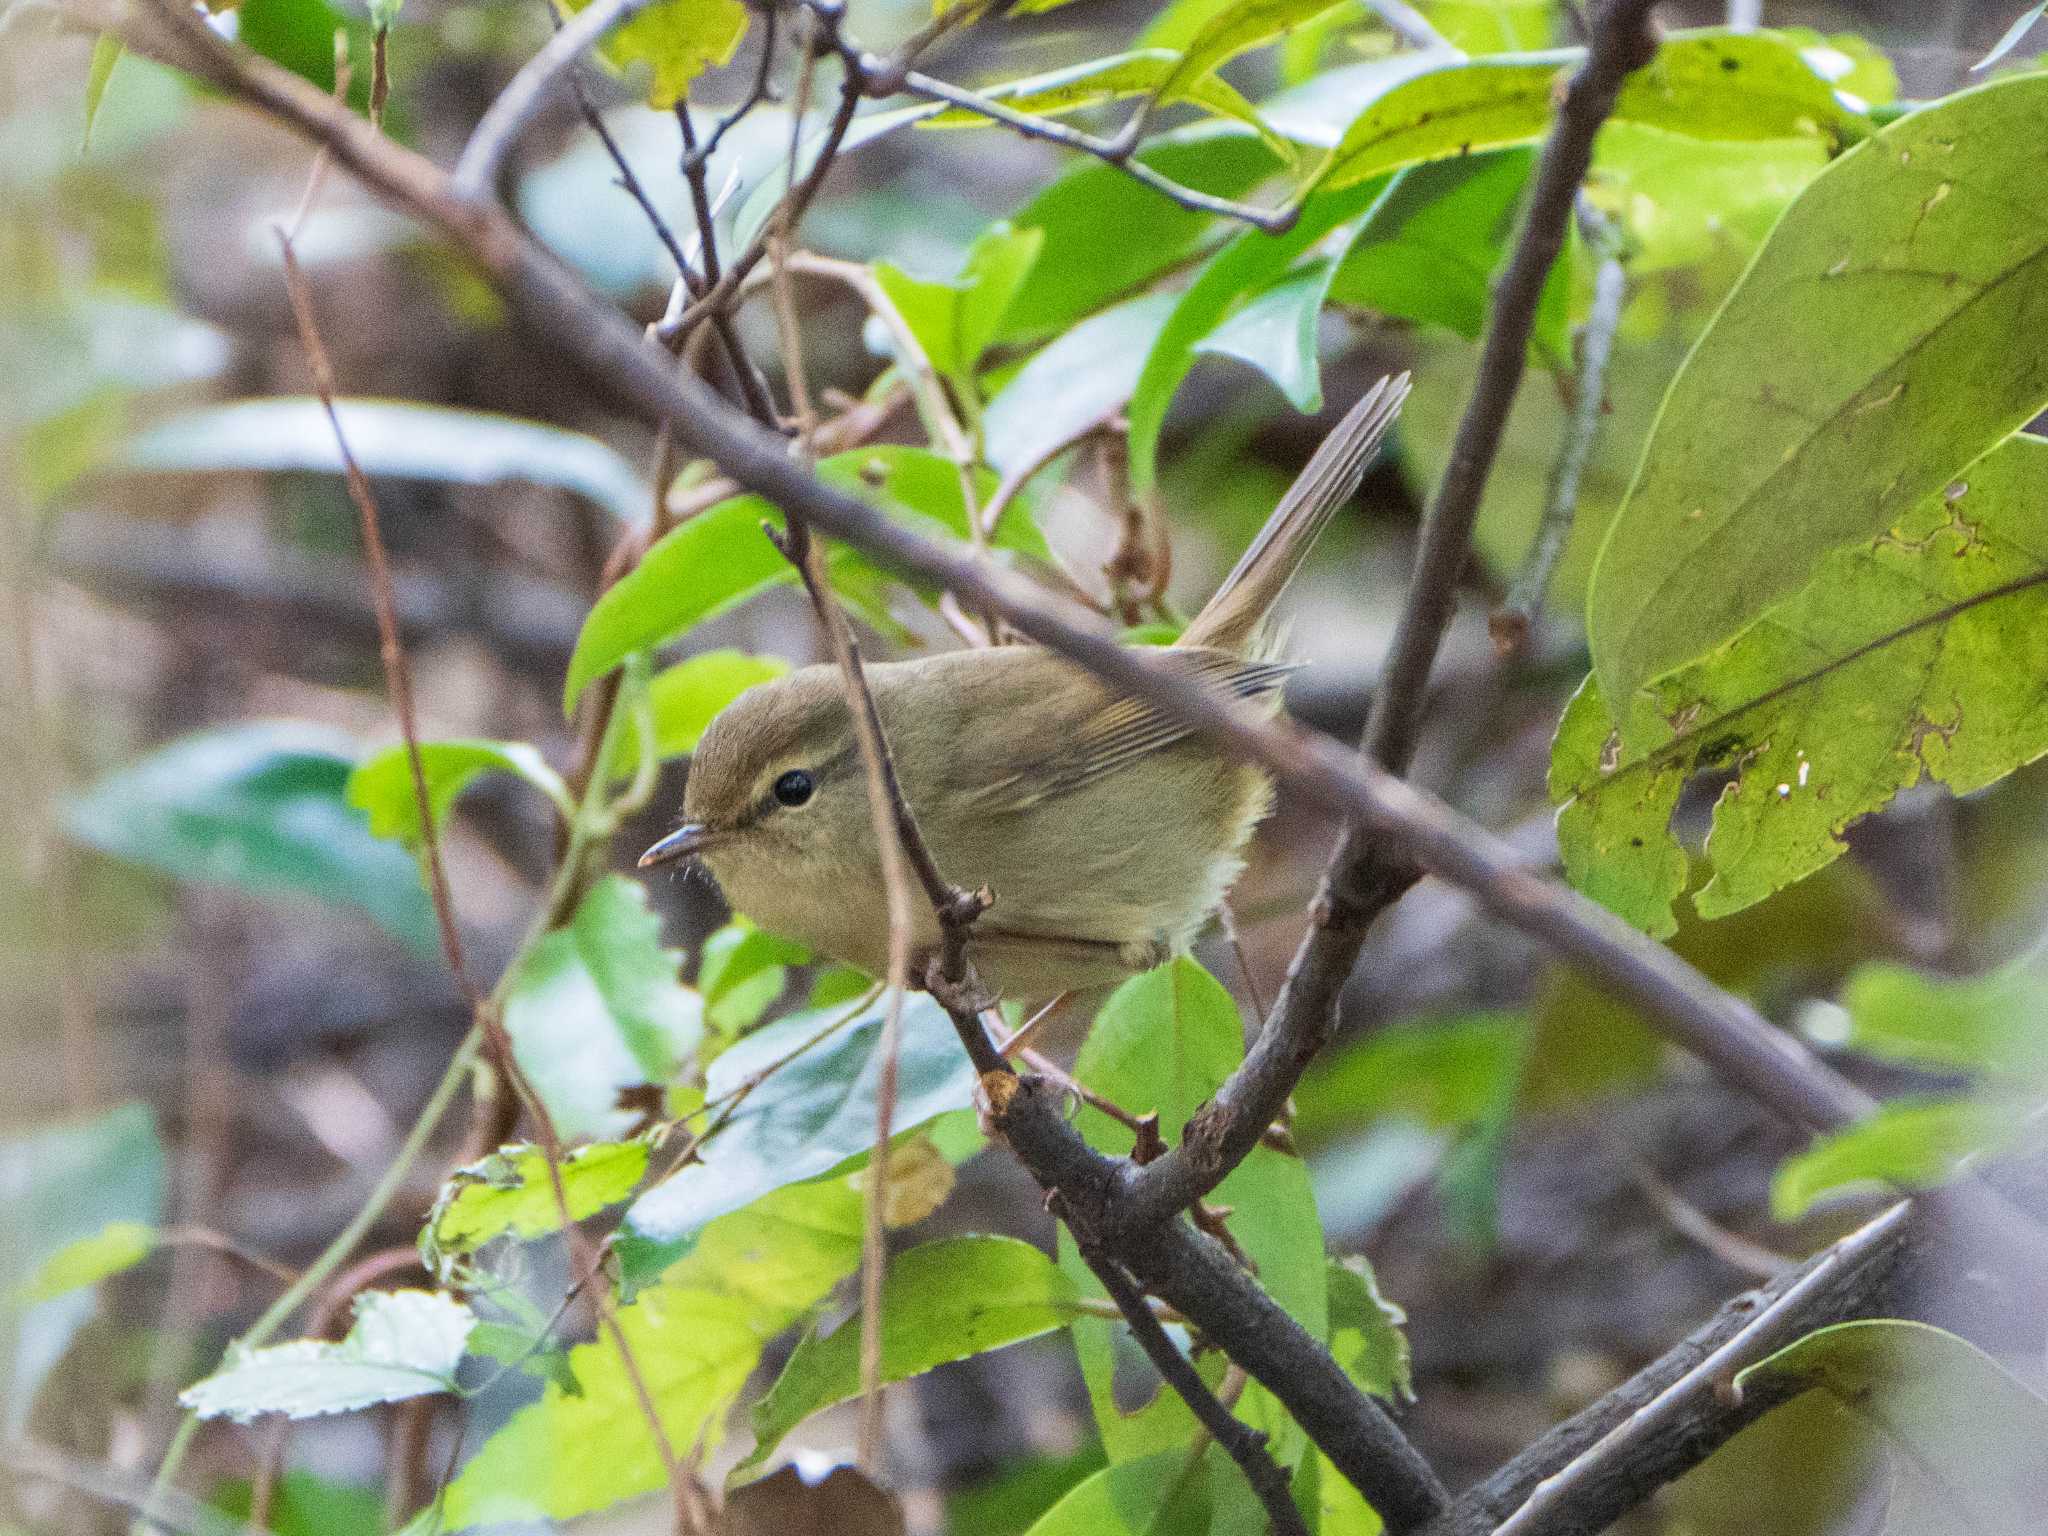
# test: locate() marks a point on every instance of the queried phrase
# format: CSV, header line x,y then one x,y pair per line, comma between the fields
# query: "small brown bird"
x,y
1108,832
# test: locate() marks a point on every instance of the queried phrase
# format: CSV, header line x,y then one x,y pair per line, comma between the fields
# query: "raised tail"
x,y
1230,619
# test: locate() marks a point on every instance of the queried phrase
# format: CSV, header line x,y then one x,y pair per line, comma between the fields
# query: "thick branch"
x,y
1366,875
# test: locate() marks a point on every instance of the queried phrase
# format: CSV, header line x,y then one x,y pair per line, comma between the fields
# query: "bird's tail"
x,y
1230,619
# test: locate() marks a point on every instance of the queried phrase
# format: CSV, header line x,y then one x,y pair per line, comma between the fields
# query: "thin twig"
x,y
1512,622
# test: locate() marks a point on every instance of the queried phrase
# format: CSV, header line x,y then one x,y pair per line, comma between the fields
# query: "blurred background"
x,y
194,925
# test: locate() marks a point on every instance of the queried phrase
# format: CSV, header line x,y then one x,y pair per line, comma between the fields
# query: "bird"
x,y
1107,830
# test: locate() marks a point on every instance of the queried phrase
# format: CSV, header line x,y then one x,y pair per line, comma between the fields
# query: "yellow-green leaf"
x,y
677,39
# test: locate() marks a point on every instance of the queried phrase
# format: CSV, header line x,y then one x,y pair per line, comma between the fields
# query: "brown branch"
x,y
1367,874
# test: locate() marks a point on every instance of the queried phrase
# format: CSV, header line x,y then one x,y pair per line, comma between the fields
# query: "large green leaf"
x,y
1074,382
1710,84
941,1301
382,785
1967,1438
404,1344
1907,1143
595,1007
721,557
1152,1495
399,438
1276,331
954,319
1991,1023
1162,1044
1917,653
1448,1075
805,1089
697,1337
67,1184
262,806
1248,263
676,39
1886,300
1106,234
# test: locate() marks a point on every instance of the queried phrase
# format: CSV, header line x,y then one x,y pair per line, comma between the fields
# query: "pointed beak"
x,y
688,840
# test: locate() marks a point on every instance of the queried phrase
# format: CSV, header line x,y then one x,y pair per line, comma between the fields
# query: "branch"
x,y
1366,875
1677,1411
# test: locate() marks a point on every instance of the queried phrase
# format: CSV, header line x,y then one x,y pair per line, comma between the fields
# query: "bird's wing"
x,y
1121,729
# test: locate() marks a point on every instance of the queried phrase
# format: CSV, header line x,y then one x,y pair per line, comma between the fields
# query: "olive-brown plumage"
x,y
1107,831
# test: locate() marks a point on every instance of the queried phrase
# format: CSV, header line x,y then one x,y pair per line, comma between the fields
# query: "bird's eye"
x,y
794,787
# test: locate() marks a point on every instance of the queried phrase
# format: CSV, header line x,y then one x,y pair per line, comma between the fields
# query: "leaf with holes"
x,y
1886,299
404,1344
1918,653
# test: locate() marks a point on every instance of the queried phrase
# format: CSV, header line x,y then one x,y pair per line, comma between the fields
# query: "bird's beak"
x,y
691,838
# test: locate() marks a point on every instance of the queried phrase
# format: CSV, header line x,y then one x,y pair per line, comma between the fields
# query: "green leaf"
x,y
1239,28
1447,1075
118,1246
404,1344
677,39
1247,263
382,785
299,34
688,696
1018,1492
1430,248
720,558
1966,1436
1989,1023
1910,655
1682,202
308,1505
261,806
1276,331
1710,84
941,1301
66,1184
106,53
595,1007
1908,1143
954,319
1886,297
1365,1332
1106,235
1162,1044
401,439
1083,377
510,1192
1154,72
2021,26
1493,26
741,971
811,1107
697,1337
1150,1495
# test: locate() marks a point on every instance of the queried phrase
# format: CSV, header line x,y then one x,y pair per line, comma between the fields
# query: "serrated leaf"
x,y
1907,1143
595,1007
1153,72
118,1246
1248,262
1886,296
402,439
811,1107
261,806
381,786
697,1336
1162,1044
510,1192
1709,84
1365,1332
1107,235
688,696
404,1344
941,1301
720,558
955,318
676,39
1989,1023
1966,1436
1907,656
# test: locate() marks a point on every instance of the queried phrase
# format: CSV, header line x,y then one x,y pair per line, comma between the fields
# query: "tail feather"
x,y
1231,618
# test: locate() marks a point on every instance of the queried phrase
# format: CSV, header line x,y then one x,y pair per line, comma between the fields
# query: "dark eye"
x,y
794,787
